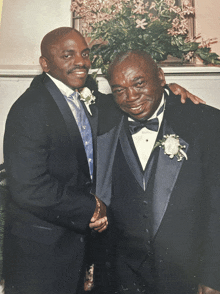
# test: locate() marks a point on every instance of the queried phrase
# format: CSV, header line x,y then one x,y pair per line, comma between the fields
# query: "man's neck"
x,y
64,89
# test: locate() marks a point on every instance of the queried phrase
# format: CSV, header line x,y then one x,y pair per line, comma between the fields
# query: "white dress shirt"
x,y
145,139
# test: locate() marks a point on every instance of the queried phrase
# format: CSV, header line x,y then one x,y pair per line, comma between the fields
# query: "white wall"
x,y
207,21
23,25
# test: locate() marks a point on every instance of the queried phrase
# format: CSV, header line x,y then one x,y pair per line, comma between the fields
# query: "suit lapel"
x,y
106,147
167,172
68,117
131,158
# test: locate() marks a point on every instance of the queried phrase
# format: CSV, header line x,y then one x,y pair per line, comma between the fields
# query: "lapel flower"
x,y
172,147
87,97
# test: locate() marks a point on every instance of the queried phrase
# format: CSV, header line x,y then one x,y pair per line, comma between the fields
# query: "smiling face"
x,y
67,59
137,86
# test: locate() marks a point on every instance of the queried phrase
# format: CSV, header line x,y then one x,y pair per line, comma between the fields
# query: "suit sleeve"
x,y
31,184
210,260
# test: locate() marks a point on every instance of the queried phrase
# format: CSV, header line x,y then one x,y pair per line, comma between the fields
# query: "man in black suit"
x,y
160,176
49,153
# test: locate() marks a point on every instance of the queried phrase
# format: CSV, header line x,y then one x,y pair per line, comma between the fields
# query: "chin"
x,y
77,84
139,117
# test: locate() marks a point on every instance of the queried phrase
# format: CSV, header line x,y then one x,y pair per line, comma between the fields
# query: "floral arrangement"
x,y
160,28
172,147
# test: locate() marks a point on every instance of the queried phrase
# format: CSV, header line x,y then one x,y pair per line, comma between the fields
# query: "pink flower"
x,y
141,23
139,7
170,2
153,5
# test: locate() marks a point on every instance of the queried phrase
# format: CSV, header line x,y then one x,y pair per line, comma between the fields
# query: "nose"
x,y
132,94
79,60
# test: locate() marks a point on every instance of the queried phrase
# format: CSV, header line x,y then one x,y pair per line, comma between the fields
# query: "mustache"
x,y
77,67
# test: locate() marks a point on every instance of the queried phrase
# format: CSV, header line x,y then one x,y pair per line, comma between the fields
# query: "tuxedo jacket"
x,y
185,197
50,204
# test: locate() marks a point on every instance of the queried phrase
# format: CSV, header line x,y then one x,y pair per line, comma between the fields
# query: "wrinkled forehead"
x,y
132,68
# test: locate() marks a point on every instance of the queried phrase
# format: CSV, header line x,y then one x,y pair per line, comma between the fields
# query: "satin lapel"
x,y
106,147
167,172
65,111
130,158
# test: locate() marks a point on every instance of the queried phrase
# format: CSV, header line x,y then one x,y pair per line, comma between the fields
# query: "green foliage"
x,y
157,35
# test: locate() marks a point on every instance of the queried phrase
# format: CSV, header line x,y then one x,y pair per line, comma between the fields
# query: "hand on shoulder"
x,y
178,90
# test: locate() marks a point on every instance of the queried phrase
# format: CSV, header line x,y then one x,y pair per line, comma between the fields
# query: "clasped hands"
x,y
206,290
99,221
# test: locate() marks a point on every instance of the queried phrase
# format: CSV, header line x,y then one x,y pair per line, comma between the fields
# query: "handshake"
x,y
99,221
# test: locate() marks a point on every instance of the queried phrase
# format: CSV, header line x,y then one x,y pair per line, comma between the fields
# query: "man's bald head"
x,y
54,37
130,55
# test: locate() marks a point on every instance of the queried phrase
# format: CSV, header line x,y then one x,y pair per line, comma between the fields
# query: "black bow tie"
x,y
152,124
136,126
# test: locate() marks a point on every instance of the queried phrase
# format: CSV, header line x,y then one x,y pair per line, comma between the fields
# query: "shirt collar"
x,y
64,89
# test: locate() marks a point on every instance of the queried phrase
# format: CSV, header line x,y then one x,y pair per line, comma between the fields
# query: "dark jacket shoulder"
x,y
190,117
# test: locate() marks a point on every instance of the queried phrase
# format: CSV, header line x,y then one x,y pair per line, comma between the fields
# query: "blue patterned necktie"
x,y
83,125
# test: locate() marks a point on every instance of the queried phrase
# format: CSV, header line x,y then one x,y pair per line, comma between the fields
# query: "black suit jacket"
x,y
185,200
48,177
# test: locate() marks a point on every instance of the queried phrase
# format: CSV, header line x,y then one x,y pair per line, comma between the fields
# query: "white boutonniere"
x,y
172,147
87,97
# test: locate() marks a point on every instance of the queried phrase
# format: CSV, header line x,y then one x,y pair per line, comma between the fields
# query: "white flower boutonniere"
x,y
172,147
87,97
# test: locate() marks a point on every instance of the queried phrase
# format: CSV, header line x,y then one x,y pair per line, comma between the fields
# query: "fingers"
x,y
99,225
94,217
195,99
183,97
178,90
206,290
103,229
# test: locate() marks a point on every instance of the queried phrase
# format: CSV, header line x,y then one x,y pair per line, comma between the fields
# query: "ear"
x,y
44,62
161,77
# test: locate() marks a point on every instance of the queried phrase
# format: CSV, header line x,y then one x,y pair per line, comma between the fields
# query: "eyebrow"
x,y
115,86
86,49
137,78
72,51
134,80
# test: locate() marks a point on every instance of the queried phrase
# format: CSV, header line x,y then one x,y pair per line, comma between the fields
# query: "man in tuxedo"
x,y
49,153
160,176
